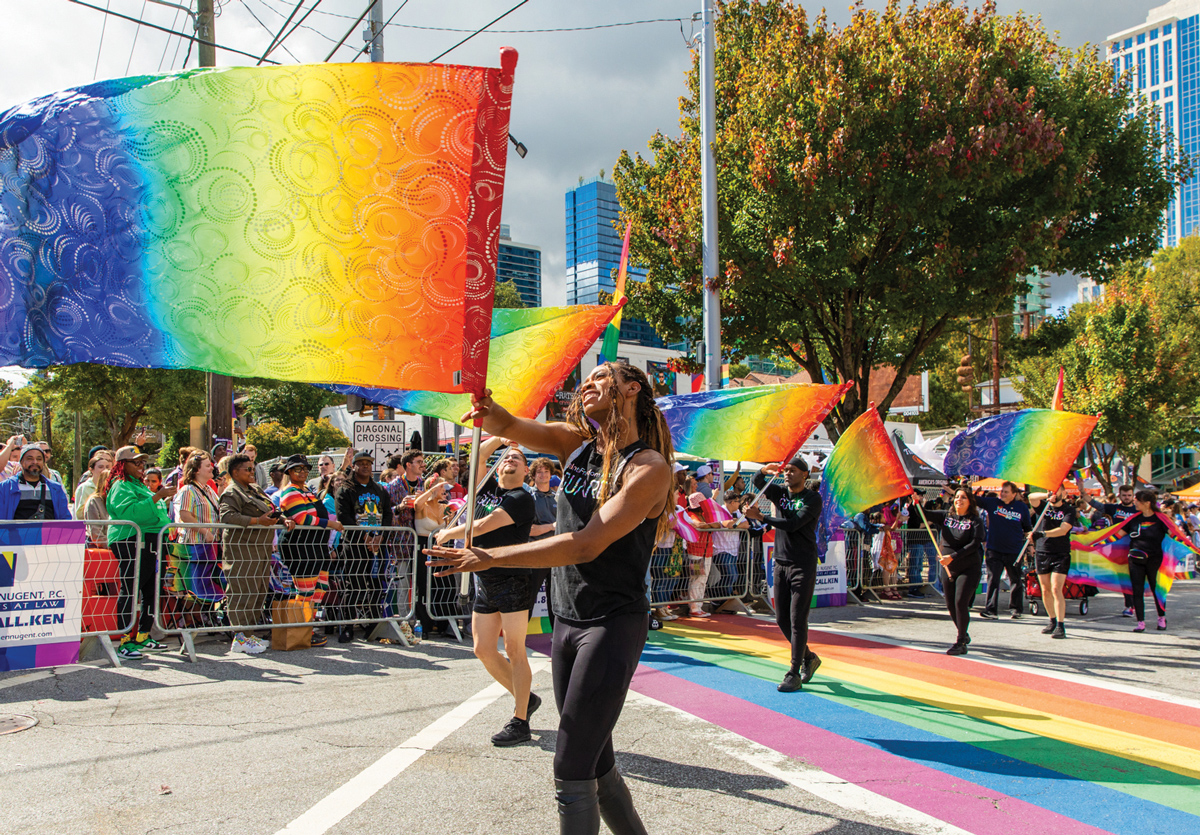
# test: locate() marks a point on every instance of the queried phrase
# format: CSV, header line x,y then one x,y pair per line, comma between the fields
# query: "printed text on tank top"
x,y
958,523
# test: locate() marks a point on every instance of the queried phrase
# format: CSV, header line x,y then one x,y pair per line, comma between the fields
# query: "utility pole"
x,y
374,32
219,412
708,192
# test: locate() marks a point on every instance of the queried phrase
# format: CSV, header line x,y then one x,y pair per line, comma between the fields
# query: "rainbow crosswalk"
x,y
982,747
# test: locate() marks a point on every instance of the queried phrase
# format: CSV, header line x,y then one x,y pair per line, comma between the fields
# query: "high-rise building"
x,y
1161,60
1089,291
1031,308
522,265
594,254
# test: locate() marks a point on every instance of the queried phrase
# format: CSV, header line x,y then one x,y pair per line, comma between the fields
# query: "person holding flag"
x,y
1146,531
795,561
960,539
1123,509
1008,522
1052,554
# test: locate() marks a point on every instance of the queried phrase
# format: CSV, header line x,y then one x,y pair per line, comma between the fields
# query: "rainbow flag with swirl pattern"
x,y
318,223
1035,446
612,333
1101,559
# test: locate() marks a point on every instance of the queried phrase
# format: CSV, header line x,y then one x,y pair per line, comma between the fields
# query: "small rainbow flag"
x,y
612,333
1035,446
532,351
862,471
756,423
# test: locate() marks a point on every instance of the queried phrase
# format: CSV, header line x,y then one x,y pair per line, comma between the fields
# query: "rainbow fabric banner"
x,y
862,471
1035,446
612,333
755,423
532,351
1101,558
316,223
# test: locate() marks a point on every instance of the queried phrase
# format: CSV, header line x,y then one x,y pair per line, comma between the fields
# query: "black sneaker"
x,y
655,624
345,634
1059,632
514,733
535,701
1049,628
986,615
790,684
957,649
809,668
1014,614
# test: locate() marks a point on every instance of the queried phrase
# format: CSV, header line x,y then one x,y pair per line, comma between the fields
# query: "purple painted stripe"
x,y
966,805
57,654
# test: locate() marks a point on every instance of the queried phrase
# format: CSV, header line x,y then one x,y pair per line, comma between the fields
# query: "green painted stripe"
x,y
1137,779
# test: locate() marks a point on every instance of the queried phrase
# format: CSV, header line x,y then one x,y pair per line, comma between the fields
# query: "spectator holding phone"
x,y
247,551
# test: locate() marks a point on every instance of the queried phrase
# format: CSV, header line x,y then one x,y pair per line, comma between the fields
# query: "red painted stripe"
x,y
964,804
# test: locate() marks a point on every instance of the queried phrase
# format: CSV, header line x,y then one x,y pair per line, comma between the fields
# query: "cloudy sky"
x,y
581,96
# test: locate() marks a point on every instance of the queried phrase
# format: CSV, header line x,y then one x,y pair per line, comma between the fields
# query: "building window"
x,y
1168,68
1154,95
1169,117
1153,34
1141,76
1141,38
1129,43
1166,28
1154,73
1116,62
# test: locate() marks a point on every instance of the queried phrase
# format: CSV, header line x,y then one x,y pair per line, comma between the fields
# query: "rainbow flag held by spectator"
x,y
333,223
612,333
1034,446
755,423
532,351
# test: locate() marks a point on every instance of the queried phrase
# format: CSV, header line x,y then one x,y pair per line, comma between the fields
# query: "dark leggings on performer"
x,y
1143,574
794,586
592,667
125,550
960,593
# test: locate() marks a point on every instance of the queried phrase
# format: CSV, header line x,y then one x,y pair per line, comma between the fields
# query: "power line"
x,y
377,35
167,43
477,31
268,28
136,32
99,49
280,40
354,26
275,37
191,38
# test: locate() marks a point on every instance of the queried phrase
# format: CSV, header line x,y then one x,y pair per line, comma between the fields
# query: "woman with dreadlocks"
x,y
614,503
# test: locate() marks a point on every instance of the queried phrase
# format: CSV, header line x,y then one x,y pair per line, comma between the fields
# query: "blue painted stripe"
x,y
1087,802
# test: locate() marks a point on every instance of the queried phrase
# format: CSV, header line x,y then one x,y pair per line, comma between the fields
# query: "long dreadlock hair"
x,y
651,428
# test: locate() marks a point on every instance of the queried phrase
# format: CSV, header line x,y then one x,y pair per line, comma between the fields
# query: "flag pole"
x,y
464,586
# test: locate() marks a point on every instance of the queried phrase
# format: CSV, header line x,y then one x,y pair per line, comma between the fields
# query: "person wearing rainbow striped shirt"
x,y
304,549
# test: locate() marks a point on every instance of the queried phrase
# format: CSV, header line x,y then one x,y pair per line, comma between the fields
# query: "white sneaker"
x,y
262,645
250,646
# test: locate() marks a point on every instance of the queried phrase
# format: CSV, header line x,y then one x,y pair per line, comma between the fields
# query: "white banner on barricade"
x,y
830,589
41,591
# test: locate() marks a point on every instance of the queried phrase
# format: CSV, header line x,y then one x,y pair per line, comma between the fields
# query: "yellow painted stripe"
x,y
1176,758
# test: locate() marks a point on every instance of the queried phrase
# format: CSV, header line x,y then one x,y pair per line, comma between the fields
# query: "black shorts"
x,y
502,594
1052,563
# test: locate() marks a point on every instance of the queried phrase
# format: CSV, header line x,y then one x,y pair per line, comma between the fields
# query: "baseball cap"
x,y
703,470
129,453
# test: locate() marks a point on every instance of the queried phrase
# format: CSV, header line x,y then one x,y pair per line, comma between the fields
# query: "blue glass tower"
x,y
594,254
522,265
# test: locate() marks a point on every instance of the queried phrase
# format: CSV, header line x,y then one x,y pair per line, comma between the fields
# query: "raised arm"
x,y
557,439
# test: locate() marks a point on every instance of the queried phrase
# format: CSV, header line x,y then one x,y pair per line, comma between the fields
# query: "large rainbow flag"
x,y
862,471
532,351
612,333
1035,446
1101,558
317,223
756,423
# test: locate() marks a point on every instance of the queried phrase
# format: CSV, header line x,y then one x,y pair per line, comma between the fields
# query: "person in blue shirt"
x,y
1008,523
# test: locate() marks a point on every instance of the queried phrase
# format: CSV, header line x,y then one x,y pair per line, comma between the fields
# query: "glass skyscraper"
x,y
522,265
1161,60
594,254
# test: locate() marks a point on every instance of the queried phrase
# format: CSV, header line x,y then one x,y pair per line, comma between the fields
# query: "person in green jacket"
x,y
128,499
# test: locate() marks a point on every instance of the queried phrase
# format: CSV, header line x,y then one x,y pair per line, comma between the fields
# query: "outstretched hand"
x,y
481,407
456,560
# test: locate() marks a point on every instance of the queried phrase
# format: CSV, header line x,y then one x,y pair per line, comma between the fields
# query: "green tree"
x,y
125,398
507,295
316,436
287,403
274,440
879,182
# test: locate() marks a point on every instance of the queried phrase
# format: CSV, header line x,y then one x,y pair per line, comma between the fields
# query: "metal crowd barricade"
x,y
229,578
678,574
915,555
443,601
108,582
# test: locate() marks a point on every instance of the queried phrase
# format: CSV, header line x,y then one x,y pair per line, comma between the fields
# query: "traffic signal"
x,y
355,404
965,373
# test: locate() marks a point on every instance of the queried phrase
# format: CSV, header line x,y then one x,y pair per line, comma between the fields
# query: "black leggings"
x,y
1142,574
125,550
592,667
960,594
999,563
794,586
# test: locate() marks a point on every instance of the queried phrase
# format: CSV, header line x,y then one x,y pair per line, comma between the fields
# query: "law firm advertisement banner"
x,y
41,593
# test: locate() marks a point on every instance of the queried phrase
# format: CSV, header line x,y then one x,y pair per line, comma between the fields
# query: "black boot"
x,y
616,806
578,807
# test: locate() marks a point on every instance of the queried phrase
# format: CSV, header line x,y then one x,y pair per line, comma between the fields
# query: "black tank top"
x,y
615,582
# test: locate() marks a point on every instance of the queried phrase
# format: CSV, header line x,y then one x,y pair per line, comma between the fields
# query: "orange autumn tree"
x,y
879,182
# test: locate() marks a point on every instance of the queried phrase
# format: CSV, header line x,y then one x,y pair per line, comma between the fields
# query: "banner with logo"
x,y
830,589
41,593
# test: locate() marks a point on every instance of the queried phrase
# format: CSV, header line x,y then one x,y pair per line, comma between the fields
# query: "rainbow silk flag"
x,y
1057,400
862,471
612,333
756,423
532,351
1101,559
1035,446
316,223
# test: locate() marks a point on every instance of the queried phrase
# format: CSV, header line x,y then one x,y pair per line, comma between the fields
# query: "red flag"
x,y
1057,403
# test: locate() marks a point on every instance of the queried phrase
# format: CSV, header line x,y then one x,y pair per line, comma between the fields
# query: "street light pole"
x,y
374,33
708,192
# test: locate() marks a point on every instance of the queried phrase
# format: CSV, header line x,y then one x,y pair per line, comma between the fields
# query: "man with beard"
x,y
29,494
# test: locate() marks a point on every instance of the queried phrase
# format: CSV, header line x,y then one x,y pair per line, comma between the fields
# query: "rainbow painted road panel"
x,y
985,748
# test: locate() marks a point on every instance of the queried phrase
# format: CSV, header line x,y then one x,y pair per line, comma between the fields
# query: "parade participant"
x,y
544,521
1008,522
795,561
503,596
1124,508
360,503
615,502
1146,534
1052,555
960,543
